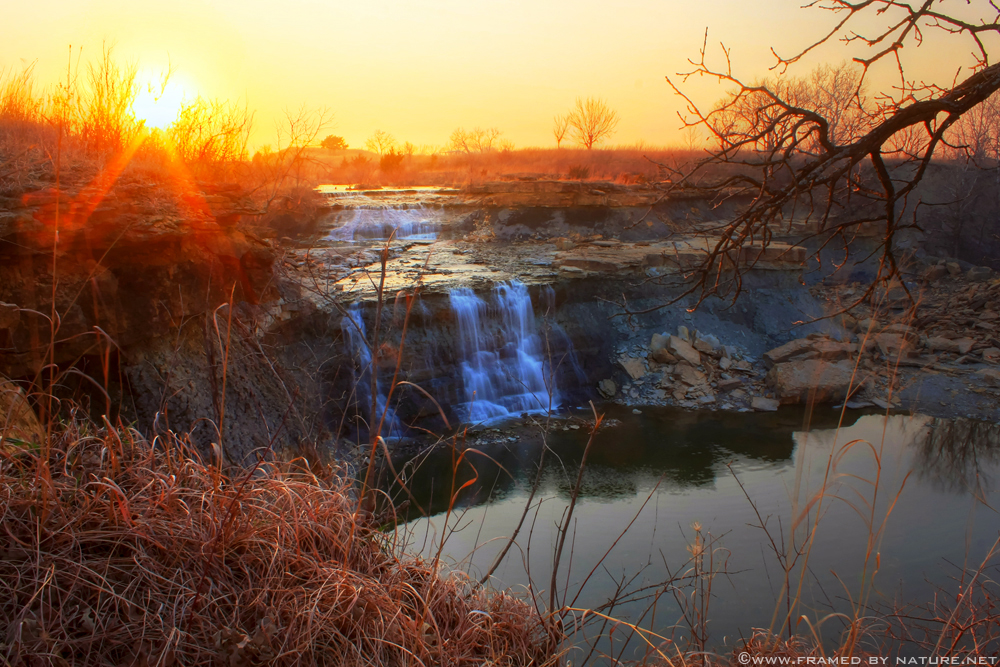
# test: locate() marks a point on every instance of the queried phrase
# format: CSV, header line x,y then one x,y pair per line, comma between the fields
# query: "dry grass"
x,y
624,164
115,550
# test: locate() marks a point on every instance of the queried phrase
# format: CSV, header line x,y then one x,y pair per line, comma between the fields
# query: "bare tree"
x,y
380,142
477,140
790,158
560,128
592,121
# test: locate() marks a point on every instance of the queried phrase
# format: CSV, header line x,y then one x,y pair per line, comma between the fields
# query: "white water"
x,y
376,223
503,371
355,338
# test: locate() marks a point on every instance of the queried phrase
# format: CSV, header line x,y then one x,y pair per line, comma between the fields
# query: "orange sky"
x,y
420,69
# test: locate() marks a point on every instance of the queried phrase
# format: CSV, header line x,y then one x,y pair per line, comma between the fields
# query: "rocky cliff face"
x,y
130,280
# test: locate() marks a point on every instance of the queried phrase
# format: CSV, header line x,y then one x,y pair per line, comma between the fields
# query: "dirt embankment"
x,y
119,292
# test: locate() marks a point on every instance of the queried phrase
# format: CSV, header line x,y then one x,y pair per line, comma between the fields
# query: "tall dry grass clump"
x,y
116,550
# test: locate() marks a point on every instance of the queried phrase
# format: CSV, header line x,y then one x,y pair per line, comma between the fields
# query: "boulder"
x,y
662,356
728,384
832,350
683,350
957,345
689,374
990,375
809,348
934,273
789,351
809,380
633,366
607,388
979,274
761,404
706,344
892,344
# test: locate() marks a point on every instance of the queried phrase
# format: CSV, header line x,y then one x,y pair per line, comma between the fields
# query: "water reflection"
x,y
921,510
959,454
686,449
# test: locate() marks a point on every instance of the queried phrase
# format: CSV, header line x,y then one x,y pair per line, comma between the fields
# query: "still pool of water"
x,y
903,503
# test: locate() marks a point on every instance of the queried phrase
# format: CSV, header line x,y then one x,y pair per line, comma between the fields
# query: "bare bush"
x,y
211,132
107,120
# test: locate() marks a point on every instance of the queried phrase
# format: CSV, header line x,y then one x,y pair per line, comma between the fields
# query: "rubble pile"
x,y
954,332
690,369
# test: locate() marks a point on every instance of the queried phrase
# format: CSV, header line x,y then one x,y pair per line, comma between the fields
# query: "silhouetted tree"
x,y
560,128
789,152
334,143
380,142
477,140
592,121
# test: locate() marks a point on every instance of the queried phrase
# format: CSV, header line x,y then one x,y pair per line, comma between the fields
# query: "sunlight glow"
x,y
157,104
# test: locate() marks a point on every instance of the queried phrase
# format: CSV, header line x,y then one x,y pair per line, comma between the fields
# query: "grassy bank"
x,y
116,550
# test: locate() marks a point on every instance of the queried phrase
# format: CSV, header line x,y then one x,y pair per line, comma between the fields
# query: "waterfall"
x,y
504,370
376,223
355,339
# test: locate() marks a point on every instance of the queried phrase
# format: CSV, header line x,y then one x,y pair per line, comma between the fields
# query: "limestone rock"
x,y
727,384
979,274
725,363
788,351
689,374
991,354
658,342
935,273
954,268
607,388
683,350
991,375
892,344
761,404
811,380
662,356
707,344
958,345
633,366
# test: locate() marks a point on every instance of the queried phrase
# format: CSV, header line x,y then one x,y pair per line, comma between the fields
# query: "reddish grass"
x,y
115,550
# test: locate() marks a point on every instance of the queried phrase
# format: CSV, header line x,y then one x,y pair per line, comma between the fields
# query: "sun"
x,y
157,104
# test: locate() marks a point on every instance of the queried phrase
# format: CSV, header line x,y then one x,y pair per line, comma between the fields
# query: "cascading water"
x,y
355,338
377,223
504,372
